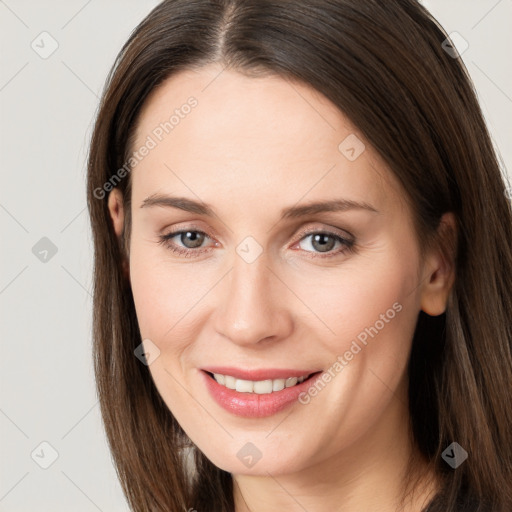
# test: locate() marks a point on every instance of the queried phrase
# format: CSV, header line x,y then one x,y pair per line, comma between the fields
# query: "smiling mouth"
x,y
262,387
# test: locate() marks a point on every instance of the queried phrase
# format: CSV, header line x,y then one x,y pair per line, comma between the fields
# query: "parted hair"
x,y
384,65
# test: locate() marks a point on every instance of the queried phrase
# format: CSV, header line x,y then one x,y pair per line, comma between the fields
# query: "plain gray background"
x,y
47,107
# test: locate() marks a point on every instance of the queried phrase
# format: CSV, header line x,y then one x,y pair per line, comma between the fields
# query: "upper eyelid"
x,y
343,233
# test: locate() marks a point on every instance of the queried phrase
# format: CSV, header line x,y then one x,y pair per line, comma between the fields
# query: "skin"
x,y
250,148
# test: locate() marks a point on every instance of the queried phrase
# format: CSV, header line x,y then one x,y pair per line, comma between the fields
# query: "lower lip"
x,y
254,405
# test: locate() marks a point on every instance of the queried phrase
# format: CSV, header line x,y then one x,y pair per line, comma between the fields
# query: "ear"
x,y
439,268
116,210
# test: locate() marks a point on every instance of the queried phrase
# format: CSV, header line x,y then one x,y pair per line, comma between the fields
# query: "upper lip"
x,y
258,374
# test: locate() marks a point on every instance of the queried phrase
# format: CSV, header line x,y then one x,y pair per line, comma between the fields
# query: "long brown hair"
x,y
383,64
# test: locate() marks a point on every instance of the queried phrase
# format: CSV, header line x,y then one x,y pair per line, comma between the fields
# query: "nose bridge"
x,y
250,309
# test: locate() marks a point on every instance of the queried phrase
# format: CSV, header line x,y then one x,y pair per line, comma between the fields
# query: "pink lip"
x,y
254,405
256,375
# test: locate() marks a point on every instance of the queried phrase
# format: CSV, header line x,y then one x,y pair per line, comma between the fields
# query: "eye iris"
x,y
191,239
325,242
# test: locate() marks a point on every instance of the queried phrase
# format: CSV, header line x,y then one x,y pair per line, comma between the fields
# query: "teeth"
x,y
261,387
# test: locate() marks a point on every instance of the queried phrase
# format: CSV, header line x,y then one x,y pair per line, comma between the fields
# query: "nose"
x,y
251,305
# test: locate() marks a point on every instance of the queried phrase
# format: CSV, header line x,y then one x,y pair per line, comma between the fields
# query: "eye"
x,y
323,242
191,240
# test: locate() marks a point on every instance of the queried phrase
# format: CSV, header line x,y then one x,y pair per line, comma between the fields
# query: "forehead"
x,y
245,137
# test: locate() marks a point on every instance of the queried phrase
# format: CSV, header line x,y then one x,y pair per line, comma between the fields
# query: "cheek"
x,y
372,309
379,289
352,301
167,295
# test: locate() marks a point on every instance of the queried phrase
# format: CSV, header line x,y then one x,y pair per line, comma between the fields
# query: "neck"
x,y
368,475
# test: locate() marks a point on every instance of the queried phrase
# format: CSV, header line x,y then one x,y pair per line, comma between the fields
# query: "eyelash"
x,y
347,245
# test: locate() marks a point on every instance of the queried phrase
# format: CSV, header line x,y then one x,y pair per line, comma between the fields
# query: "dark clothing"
x,y
465,503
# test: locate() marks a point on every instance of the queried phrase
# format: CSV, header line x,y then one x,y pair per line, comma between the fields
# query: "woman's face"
x,y
251,287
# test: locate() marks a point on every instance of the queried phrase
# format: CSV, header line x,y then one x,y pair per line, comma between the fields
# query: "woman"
x,y
302,251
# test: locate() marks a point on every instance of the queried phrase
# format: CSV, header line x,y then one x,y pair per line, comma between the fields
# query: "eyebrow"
x,y
200,208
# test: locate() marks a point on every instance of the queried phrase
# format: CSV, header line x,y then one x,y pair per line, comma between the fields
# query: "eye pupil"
x,y
192,239
321,242
325,242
